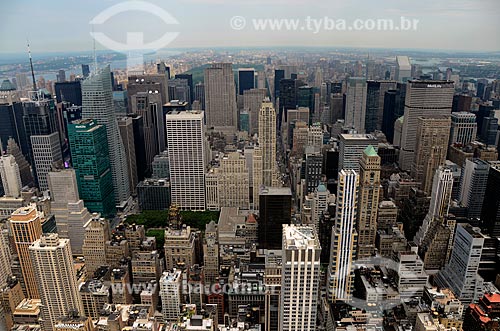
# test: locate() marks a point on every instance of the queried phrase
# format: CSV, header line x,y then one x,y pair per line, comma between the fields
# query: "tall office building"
x,y
57,283
10,176
26,228
344,238
423,99
403,68
490,213
126,127
460,274
90,158
233,181
463,128
246,79
252,102
375,93
46,153
279,74
267,142
440,201
170,294
189,79
66,206
220,98
275,210
69,91
22,163
187,152
94,243
300,278
473,184
211,254
148,107
351,149
199,94
489,132
97,103
368,199
39,118
355,107
430,151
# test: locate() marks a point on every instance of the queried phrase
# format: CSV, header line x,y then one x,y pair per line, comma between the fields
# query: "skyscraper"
x,y
460,274
351,149
46,153
97,103
71,216
94,243
246,79
355,108
403,68
423,99
148,107
344,238
220,98
375,93
90,158
10,176
233,181
430,150
473,184
300,278
267,142
170,293
275,209
69,91
252,102
22,163
490,213
26,228
463,128
369,193
126,127
187,157
56,278
440,202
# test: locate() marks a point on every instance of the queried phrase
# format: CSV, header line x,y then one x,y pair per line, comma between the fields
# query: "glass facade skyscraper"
x,y
90,158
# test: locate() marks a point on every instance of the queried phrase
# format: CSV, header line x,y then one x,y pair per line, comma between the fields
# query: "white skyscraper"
x,y
97,104
187,152
403,68
300,278
344,238
10,176
351,149
69,211
355,108
46,153
267,142
463,128
220,98
56,278
460,274
442,186
170,294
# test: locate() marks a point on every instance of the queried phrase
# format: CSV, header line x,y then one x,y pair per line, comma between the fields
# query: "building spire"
x,y
31,64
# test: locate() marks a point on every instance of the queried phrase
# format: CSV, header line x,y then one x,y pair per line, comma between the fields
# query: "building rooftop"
x,y
300,237
275,191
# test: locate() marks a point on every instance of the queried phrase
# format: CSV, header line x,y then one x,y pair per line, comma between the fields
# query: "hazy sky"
x,y
63,25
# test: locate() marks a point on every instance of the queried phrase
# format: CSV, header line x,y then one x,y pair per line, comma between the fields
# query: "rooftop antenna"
x,y
95,54
31,64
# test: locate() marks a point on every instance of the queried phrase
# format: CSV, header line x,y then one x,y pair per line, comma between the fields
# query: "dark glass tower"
x,y
275,209
69,91
246,80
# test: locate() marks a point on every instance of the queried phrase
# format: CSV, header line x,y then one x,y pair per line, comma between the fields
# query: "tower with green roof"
x,y
90,157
